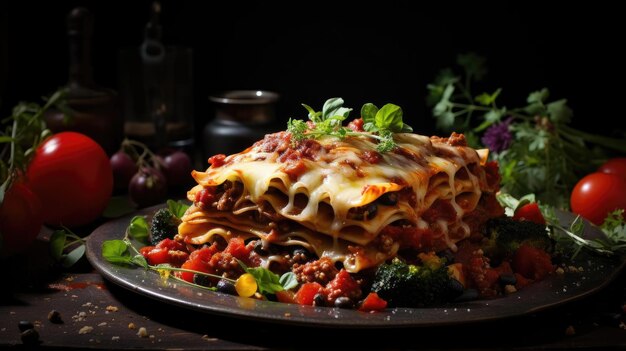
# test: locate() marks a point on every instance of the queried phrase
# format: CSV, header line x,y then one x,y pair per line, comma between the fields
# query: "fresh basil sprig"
x,y
378,124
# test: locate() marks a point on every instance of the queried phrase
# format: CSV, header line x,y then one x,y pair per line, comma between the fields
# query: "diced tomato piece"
x,y
356,125
144,250
170,244
157,256
177,257
306,293
217,160
521,281
491,278
342,285
530,212
195,265
285,296
295,169
373,303
237,248
205,253
532,262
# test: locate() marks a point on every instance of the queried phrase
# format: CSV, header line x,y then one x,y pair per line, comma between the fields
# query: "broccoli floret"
x,y
164,225
404,285
504,235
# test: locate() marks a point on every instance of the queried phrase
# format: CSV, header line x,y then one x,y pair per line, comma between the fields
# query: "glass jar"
x,y
242,117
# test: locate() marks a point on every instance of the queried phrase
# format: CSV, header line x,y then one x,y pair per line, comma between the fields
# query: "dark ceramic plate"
x,y
556,290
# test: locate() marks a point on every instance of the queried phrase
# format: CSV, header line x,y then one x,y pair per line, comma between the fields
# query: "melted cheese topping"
x,y
335,183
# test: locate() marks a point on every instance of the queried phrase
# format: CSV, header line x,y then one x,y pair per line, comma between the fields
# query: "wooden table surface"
x,y
34,286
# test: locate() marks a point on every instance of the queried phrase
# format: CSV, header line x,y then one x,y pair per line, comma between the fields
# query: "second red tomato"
x,y
615,166
72,177
598,194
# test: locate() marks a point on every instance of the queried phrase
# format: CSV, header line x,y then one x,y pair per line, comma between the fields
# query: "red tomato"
x,y
169,244
597,194
306,293
343,285
72,177
238,249
530,212
373,303
21,217
615,166
157,256
532,263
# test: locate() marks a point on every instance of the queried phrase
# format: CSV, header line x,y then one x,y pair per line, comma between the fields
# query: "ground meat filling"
x,y
321,271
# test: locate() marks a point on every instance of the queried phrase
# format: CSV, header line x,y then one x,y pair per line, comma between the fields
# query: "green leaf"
x,y
288,281
389,117
474,65
57,244
116,251
333,107
370,127
6,139
446,120
539,141
118,206
140,261
488,99
511,204
494,115
266,280
73,256
178,208
368,112
535,109
444,105
559,112
313,115
139,229
538,96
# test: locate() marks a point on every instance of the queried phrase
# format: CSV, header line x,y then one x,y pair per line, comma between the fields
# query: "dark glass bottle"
x,y
95,111
242,117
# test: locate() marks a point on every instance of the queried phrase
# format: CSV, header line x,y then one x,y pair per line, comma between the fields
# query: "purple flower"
x,y
498,137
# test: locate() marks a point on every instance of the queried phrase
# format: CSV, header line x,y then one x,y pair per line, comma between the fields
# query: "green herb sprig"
x,y
537,150
21,134
379,124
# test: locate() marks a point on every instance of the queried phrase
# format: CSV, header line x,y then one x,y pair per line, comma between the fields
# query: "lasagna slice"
x,y
343,200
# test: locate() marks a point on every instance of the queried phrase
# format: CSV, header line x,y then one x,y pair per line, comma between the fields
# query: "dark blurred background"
x,y
312,50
